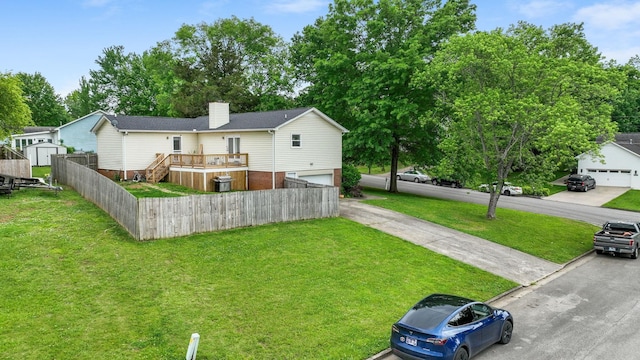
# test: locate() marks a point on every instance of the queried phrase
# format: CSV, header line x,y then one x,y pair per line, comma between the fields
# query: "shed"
x,y
40,154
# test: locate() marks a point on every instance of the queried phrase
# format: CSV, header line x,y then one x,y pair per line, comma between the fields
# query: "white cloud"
x,y
610,16
296,6
537,9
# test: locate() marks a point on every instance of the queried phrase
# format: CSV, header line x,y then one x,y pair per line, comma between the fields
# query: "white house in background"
x,y
619,165
76,134
257,150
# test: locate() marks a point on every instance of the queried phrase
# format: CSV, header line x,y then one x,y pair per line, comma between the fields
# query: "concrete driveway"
x,y
596,197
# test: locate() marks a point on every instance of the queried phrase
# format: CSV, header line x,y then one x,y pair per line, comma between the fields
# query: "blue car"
x,y
449,327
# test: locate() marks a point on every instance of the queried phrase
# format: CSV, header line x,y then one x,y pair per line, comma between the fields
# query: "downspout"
x,y
124,154
273,158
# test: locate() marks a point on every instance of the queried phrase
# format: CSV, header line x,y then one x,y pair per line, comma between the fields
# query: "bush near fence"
x,y
157,218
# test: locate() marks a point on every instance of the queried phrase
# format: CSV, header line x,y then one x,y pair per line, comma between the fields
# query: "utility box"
x,y
222,183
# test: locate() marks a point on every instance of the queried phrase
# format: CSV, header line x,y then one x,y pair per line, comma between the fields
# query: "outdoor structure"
x,y
255,151
76,134
619,164
39,154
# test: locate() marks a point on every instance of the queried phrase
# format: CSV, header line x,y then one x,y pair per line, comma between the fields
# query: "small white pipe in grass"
x,y
193,346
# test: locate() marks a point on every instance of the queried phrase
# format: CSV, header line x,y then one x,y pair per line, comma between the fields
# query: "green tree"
x,y
239,61
526,99
47,108
14,111
627,105
80,102
358,63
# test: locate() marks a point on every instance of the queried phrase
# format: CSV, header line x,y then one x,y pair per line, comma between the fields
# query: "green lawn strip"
x,y
556,239
630,200
75,285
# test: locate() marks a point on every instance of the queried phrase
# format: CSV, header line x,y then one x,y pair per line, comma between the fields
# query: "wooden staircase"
x,y
158,169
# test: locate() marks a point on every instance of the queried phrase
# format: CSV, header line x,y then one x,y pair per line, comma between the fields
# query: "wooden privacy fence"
x,y
16,167
157,218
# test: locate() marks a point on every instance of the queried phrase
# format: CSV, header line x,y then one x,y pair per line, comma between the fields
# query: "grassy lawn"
x,y
75,285
630,200
555,239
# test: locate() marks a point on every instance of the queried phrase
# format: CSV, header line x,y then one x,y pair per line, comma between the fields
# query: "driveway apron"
x,y
503,261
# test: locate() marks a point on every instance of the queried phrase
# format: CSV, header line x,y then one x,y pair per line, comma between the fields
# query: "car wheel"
x,y
507,330
599,252
398,177
461,354
586,188
507,193
634,254
434,182
416,180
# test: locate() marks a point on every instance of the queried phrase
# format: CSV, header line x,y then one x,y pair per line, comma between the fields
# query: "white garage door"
x,y
607,177
319,179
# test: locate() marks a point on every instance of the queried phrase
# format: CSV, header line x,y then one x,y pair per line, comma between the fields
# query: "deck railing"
x,y
209,160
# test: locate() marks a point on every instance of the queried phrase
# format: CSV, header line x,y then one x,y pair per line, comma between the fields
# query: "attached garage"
x,y
618,164
326,179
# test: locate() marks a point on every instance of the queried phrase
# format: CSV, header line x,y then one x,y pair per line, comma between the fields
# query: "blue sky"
x,y
61,39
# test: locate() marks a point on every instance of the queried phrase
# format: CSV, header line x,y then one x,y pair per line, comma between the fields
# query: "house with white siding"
x,y
618,165
255,150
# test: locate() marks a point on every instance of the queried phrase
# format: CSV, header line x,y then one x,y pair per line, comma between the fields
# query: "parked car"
x,y
508,188
449,327
581,183
413,175
446,182
617,238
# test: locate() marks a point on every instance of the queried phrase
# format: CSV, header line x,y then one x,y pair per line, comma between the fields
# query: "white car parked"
x,y
413,175
507,189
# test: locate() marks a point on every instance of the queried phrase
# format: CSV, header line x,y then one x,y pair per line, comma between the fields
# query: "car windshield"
x,y
432,310
575,178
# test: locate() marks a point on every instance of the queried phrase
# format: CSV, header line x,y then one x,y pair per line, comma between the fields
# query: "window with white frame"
x,y
233,144
296,140
177,144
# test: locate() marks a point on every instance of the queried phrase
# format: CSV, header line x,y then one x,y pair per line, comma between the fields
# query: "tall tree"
x,y
527,99
240,61
80,102
627,105
359,61
47,108
15,113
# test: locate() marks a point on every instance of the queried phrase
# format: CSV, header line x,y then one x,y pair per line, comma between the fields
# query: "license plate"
x,y
612,249
412,341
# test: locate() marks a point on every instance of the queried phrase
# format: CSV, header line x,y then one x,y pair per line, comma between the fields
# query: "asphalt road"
x,y
589,310
591,214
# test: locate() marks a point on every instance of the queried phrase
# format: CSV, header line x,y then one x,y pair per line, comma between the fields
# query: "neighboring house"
x,y
40,154
256,150
76,134
32,135
619,164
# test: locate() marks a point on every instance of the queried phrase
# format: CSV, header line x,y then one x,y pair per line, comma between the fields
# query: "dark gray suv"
x,y
581,183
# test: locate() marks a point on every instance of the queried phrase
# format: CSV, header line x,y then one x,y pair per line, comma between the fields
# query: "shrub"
x,y
350,179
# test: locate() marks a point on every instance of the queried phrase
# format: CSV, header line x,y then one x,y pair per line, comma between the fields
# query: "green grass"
x,y
630,200
76,286
555,239
158,190
40,171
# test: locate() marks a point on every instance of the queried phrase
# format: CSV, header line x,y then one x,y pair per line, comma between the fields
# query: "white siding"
x,y
320,151
620,167
109,148
141,148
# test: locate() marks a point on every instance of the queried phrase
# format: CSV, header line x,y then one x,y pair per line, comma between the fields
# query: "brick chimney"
x,y
218,114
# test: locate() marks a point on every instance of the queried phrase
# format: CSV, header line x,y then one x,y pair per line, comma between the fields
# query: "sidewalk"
x,y
508,263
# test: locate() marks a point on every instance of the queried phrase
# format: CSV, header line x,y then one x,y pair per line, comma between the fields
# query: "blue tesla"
x,y
449,327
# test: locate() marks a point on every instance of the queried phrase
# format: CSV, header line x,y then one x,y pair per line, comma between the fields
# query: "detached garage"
x,y
40,154
619,165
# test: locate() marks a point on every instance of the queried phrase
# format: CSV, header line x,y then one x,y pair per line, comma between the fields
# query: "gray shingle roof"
x,y
629,141
247,121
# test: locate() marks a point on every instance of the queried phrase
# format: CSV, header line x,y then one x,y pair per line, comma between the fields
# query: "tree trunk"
x,y
393,181
493,203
